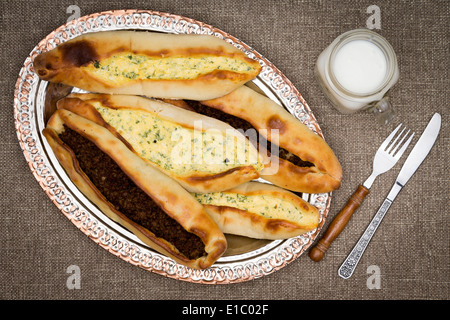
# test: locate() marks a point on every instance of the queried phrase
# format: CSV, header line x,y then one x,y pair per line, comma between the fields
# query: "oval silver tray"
x,y
245,259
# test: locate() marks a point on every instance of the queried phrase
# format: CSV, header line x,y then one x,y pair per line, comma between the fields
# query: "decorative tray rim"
x,y
28,122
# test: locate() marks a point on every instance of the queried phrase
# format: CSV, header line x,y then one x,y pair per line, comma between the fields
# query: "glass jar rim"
x,y
374,38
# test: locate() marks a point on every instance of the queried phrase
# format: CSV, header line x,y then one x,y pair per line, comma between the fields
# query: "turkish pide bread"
x,y
133,193
176,66
306,163
260,210
201,153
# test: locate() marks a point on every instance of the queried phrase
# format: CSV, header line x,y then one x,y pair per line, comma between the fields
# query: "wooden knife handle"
x,y
338,224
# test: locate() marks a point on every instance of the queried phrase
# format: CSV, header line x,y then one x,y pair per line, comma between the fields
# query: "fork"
x,y
385,158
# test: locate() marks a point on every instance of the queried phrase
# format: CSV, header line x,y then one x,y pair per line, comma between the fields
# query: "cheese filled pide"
x,y
178,66
201,153
259,210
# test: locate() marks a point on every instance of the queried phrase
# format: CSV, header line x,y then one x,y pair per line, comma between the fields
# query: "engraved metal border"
x,y
28,123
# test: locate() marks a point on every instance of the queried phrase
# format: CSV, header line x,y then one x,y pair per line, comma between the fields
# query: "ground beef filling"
x,y
239,123
128,198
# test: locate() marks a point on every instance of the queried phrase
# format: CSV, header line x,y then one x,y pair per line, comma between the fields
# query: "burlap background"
x,y
411,247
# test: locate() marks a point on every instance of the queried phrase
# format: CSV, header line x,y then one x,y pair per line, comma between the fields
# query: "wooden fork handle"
x,y
338,224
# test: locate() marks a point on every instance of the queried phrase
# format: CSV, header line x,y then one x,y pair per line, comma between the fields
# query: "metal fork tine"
x,y
389,138
400,143
403,148
383,161
388,150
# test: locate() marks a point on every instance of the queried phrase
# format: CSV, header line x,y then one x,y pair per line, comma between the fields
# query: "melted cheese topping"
x,y
268,206
125,67
179,150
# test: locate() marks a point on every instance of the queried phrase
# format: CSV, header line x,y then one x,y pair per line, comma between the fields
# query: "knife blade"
x,y
415,158
420,151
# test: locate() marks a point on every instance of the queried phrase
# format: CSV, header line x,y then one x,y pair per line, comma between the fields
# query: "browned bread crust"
x,y
324,175
200,180
167,196
76,62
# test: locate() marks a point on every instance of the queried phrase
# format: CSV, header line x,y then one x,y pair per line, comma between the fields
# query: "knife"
x,y
414,160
